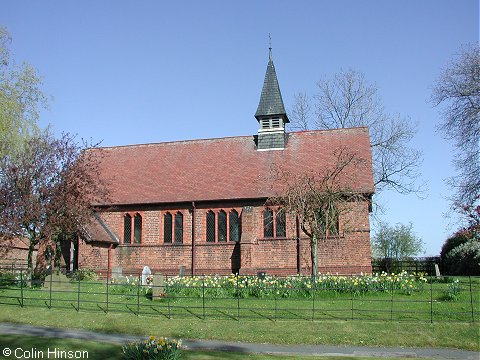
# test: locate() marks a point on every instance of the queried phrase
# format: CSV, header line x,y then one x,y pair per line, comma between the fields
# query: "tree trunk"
x,y
31,247
314,255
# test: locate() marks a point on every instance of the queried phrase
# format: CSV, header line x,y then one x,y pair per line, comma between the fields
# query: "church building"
x,y
200,205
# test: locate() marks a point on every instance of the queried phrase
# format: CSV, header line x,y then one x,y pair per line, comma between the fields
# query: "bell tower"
x,y
271,114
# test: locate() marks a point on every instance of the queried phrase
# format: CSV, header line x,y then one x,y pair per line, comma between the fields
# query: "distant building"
x,y
200,204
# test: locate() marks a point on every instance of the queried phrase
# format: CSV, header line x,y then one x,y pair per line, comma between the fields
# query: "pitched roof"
x,y
97,231
271,102
223,168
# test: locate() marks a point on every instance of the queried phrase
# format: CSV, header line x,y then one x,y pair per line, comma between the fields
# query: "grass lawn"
x,y
333,332
426,304
420,318
103,351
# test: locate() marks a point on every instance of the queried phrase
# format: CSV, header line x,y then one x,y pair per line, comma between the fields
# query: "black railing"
x,y
386,297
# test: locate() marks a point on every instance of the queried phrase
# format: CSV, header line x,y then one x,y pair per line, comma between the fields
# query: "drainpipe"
x,y
193,237
297,229
108,262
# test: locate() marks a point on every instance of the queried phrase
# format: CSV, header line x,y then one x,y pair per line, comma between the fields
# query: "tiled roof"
x,y
271,102
97,231
224,168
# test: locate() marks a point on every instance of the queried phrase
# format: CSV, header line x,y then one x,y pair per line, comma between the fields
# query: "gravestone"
x,y
58,281
145,273
116,272
181,271
437,271
158,289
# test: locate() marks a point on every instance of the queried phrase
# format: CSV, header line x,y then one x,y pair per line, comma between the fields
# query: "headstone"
x,y
158,289
145,273
437,271
57,281
181,271
116,272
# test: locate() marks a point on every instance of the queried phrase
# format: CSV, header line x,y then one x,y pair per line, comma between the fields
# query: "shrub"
x,y
459,238
464,259
153,348
7,278
84,275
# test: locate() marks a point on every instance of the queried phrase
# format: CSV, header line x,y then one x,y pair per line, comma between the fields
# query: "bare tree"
x,y
318,199
348,100
301,112
48,189
458,89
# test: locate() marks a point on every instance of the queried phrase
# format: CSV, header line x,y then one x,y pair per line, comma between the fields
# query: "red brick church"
x,y
200,204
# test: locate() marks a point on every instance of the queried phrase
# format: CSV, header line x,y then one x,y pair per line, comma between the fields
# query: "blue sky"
x,y
128,72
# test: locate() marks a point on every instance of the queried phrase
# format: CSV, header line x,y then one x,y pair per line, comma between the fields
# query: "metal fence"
x,y
429,299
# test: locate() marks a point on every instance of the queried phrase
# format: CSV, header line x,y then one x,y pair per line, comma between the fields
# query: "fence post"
x,y
203,296
238,299
392,289
275,298
313,287
78,294
351,295
431,299
138,294
50,291
471,298
21,287
167,290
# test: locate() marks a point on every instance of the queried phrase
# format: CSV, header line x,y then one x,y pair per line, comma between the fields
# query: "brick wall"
x,y
14,252
347,253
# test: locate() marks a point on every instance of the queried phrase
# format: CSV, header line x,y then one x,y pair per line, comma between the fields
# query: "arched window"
x,y
222,226
280,220
233,226
137,229
210,226
329,225
267,223
178,228
167,228
127,229
274,223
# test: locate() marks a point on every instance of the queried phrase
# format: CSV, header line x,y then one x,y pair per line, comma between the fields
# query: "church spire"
x,y
271,114
271,102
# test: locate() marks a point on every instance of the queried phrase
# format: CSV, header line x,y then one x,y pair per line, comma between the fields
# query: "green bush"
x,y
464,259
153,349
459,238
84,275
7,278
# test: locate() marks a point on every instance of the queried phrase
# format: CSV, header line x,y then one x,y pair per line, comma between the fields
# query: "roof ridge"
x,y
228,138
177,141
329,130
